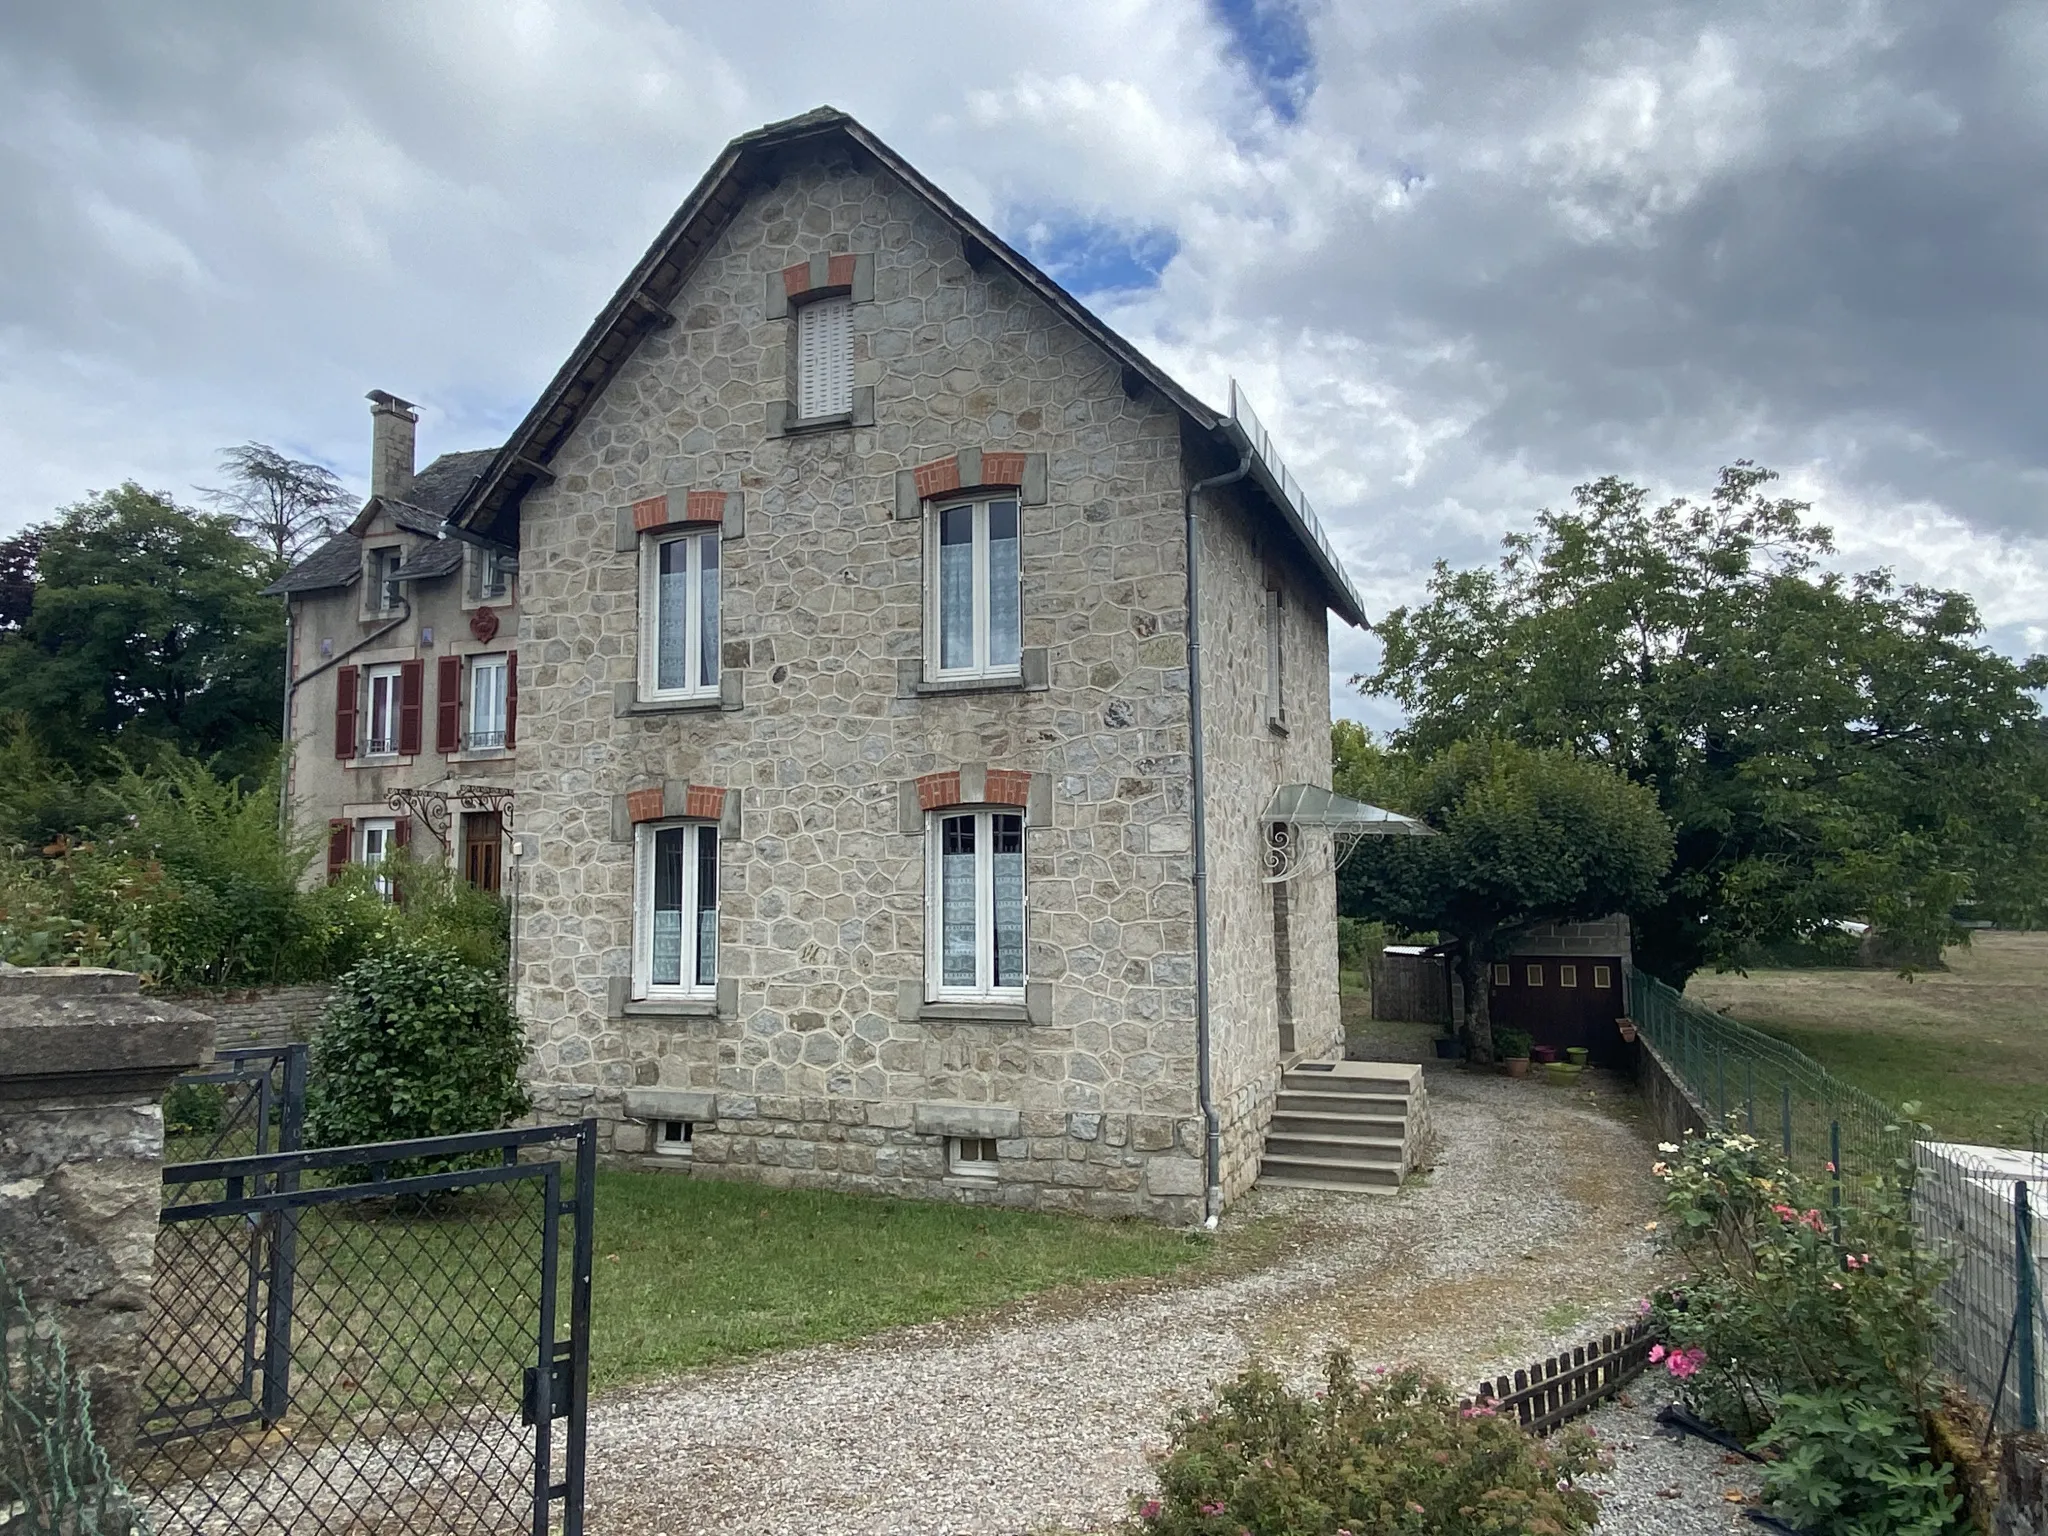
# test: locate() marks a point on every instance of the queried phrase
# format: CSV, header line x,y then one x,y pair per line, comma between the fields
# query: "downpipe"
x,y
1211,1121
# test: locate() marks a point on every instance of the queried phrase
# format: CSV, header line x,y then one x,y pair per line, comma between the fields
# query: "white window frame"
x,y
476,731
385,830
984,989
934,620
1276,702
493,579
385,595
961,1166
393,675
644,987
651,546
682,1145
824,358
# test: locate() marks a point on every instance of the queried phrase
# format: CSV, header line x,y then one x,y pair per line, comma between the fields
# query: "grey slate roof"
x,y
435,491
334,564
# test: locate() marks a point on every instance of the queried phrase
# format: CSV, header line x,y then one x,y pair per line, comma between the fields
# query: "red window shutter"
x,y
340,835
401,834
448,705
412,682
345,689
511,695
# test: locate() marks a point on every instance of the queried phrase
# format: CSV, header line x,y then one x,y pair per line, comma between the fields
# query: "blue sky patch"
x,y
1085,256
1271,39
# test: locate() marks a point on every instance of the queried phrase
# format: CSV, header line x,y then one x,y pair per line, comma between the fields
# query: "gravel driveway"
x,y
1528,1235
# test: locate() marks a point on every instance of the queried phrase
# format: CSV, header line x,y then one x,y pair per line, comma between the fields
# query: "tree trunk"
x,y
1473,970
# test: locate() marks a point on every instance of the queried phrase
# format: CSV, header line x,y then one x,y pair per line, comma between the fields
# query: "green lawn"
x,y
1969,1044
692,1272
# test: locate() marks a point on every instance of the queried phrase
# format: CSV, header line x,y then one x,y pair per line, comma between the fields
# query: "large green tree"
x,y
1523,836
146,627
1826,746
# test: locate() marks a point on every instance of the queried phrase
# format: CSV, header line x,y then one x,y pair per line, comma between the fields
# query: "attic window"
x,y
824,351
385,594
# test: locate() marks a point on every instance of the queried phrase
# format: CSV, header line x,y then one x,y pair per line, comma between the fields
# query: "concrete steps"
x,y
1349,1125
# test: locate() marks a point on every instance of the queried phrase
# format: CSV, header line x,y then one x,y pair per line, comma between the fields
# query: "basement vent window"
x,y
971,1157
673,1137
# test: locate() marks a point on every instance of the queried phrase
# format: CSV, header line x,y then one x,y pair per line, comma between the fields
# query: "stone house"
x,y
889,815
404,684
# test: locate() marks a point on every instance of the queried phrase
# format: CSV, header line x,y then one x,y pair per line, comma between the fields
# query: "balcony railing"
x,y
484,741
379,746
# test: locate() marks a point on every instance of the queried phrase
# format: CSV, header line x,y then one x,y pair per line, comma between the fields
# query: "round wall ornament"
x,y
483,623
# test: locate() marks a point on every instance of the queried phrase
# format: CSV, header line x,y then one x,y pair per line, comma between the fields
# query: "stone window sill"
x,y
972,1181
837,422
1010,683
1278,727
673,706
973,1013
672,1008
483,755
381,760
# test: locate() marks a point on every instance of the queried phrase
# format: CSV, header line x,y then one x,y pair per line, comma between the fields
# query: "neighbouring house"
x,y
403,676
867,818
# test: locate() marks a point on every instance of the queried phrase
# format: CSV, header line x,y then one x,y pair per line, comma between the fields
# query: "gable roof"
x,y
489,511
435,492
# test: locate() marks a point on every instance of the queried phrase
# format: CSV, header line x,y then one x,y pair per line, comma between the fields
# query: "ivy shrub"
x,y
1390,1454
415,1043
1807,1329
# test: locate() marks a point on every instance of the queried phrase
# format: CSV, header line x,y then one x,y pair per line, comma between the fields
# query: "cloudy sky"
x,y
1463,254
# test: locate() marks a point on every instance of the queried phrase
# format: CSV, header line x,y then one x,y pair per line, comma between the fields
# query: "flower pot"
x,y
1627,1028
1449,1048
1516,1066
1563,1073
1543,1053
1577,1055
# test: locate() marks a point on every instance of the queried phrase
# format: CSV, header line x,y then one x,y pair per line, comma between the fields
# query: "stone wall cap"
x,y
75,1029
66,981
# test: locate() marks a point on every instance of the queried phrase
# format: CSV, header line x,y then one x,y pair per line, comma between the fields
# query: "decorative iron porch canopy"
x,y
1297,806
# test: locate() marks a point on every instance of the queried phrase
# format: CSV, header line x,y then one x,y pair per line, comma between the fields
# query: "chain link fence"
x,y
1976,1206
54,1477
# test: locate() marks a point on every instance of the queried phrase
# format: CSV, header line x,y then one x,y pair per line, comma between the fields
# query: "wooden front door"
x,y
483,843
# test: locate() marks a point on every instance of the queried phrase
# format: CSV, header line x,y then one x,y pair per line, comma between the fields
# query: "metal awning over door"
x,y
1297,806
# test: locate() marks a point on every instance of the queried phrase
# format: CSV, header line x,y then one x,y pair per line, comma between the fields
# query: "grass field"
x,y
1970,1044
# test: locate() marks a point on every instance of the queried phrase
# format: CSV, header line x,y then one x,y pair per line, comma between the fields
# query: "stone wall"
x,y
260,1017
1673,1111
85,1060
1246,759
822,891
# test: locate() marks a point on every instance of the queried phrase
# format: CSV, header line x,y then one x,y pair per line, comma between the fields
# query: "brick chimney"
x,y
393,424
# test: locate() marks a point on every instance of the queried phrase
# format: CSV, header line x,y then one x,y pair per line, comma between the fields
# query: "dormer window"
x,y
493,575
385,591
824,350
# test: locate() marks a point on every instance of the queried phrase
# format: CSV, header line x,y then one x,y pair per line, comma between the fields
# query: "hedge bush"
x,y
1390,1454
415,1043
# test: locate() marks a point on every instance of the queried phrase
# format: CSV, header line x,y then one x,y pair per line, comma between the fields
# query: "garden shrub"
x,y
1391,1454
415,1043
1809,1329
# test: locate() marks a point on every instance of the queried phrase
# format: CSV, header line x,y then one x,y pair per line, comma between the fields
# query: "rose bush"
x,y
1807,1327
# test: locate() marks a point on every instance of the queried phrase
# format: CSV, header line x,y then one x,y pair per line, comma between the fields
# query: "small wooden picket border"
x,y
1552,1391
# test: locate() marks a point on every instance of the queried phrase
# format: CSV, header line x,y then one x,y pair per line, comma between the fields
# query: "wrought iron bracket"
x,y
1284,860
435,808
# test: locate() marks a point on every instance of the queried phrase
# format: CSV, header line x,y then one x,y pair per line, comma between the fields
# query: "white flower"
x,y
1667,1146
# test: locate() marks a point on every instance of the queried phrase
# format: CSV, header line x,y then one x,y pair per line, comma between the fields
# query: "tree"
x,y
1825,746
285,505
1523,836
148,627
18,576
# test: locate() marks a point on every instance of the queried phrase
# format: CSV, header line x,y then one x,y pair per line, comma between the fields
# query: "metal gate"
x,y
373,1339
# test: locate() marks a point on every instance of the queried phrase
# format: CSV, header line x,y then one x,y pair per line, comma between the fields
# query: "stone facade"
x,y
821,1059
85,1060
